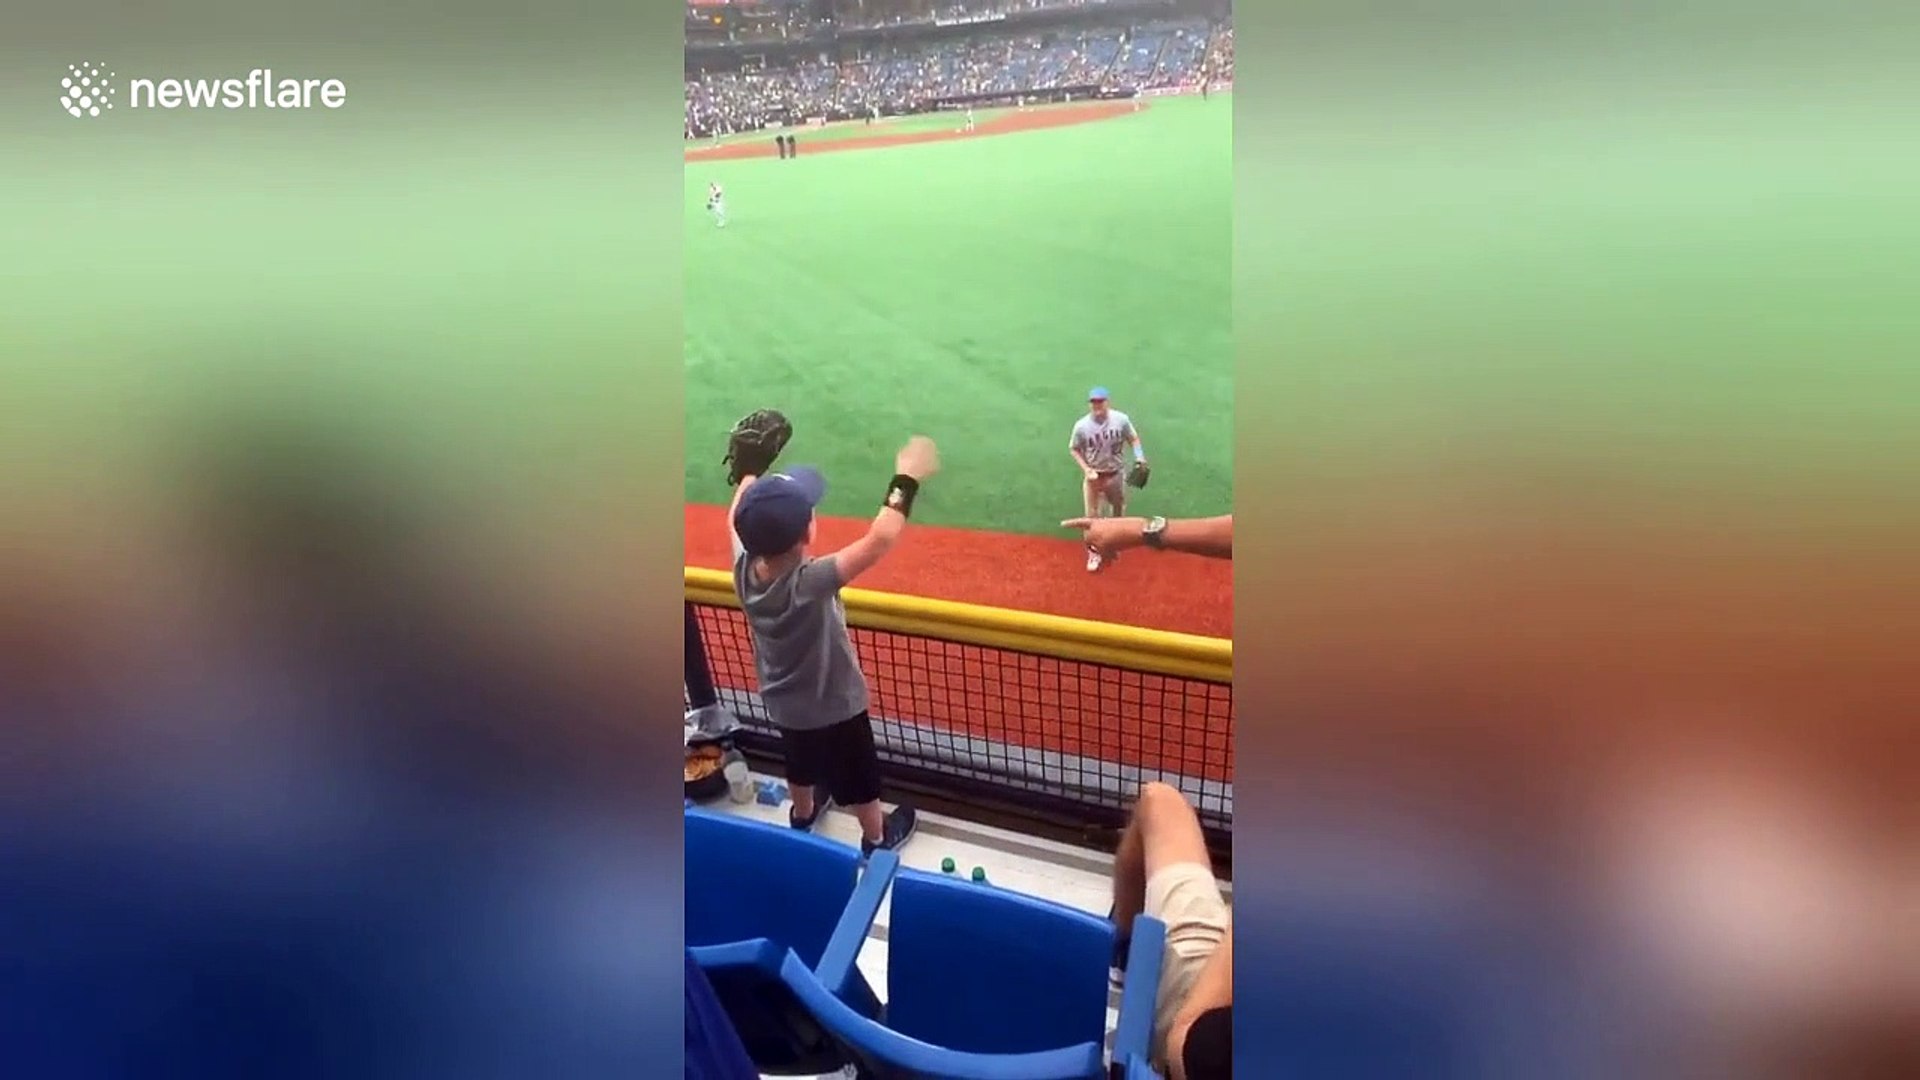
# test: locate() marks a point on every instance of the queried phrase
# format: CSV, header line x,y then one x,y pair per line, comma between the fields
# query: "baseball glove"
x,y
753,444
1137,476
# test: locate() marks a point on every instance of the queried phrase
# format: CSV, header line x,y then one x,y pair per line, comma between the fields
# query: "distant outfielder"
x,y
1098,446
717,205
969,118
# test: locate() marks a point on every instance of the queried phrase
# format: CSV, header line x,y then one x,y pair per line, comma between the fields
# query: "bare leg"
x,y
1129,877
1164,832
872,821
802,796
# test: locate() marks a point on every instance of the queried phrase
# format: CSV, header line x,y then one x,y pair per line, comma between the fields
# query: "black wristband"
x,y
900,492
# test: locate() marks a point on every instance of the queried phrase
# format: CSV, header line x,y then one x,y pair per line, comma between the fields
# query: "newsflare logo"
x,y
86,90
89,89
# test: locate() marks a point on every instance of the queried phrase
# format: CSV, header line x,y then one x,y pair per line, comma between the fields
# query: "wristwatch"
x,y
1155,534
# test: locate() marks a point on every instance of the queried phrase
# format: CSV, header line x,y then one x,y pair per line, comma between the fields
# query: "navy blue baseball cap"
x,y
1098,393
773,515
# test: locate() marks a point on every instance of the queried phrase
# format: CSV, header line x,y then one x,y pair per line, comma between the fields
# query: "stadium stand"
x,y
755,66
798,947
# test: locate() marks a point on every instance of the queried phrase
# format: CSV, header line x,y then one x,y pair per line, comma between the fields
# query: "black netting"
x,y
1070,733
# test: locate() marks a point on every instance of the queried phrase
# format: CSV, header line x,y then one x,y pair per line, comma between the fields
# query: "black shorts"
x,y
840,759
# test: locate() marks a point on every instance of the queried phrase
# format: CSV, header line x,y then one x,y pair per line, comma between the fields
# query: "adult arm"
x,y
1210,537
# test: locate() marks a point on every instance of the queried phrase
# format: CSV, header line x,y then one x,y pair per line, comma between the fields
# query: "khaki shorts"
x,y
1186,898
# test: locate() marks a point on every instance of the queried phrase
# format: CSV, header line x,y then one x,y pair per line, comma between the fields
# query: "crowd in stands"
x,y
1220,57
871,14
905,77
773,25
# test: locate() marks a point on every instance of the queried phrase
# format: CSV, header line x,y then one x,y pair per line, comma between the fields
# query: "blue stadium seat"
x,y
1133,1034
757,894
982,984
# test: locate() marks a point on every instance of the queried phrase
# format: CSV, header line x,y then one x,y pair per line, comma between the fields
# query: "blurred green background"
x,y
425,289
446,271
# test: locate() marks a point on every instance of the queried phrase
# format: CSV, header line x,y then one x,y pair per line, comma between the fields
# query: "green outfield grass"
x,y
973,290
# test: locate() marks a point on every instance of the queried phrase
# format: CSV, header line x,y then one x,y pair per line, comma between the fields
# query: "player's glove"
x,y
1137,476
753,444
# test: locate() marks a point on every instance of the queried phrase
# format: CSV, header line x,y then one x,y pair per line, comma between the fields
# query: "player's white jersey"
x,y
1103,445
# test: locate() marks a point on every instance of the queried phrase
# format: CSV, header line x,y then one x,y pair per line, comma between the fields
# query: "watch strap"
x,y
1155,533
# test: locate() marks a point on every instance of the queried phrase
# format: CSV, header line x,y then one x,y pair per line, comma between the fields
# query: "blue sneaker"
x,y
895,831
821,804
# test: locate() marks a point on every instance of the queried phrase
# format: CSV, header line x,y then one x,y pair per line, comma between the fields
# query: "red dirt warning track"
x,y
1003,124
1161,591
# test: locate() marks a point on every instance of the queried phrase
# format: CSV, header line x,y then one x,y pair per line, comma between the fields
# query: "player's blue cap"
x,y
1098,393
774,513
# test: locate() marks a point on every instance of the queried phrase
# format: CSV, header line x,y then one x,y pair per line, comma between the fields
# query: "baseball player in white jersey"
x,y
1099,443
717,204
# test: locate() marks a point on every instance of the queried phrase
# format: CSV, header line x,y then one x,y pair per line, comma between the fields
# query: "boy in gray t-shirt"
x,y
810,679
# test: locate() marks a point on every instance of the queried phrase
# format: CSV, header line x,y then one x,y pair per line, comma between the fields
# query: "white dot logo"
x,y
87,89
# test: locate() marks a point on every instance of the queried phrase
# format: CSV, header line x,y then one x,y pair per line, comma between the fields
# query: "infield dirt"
x,y
1004,123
